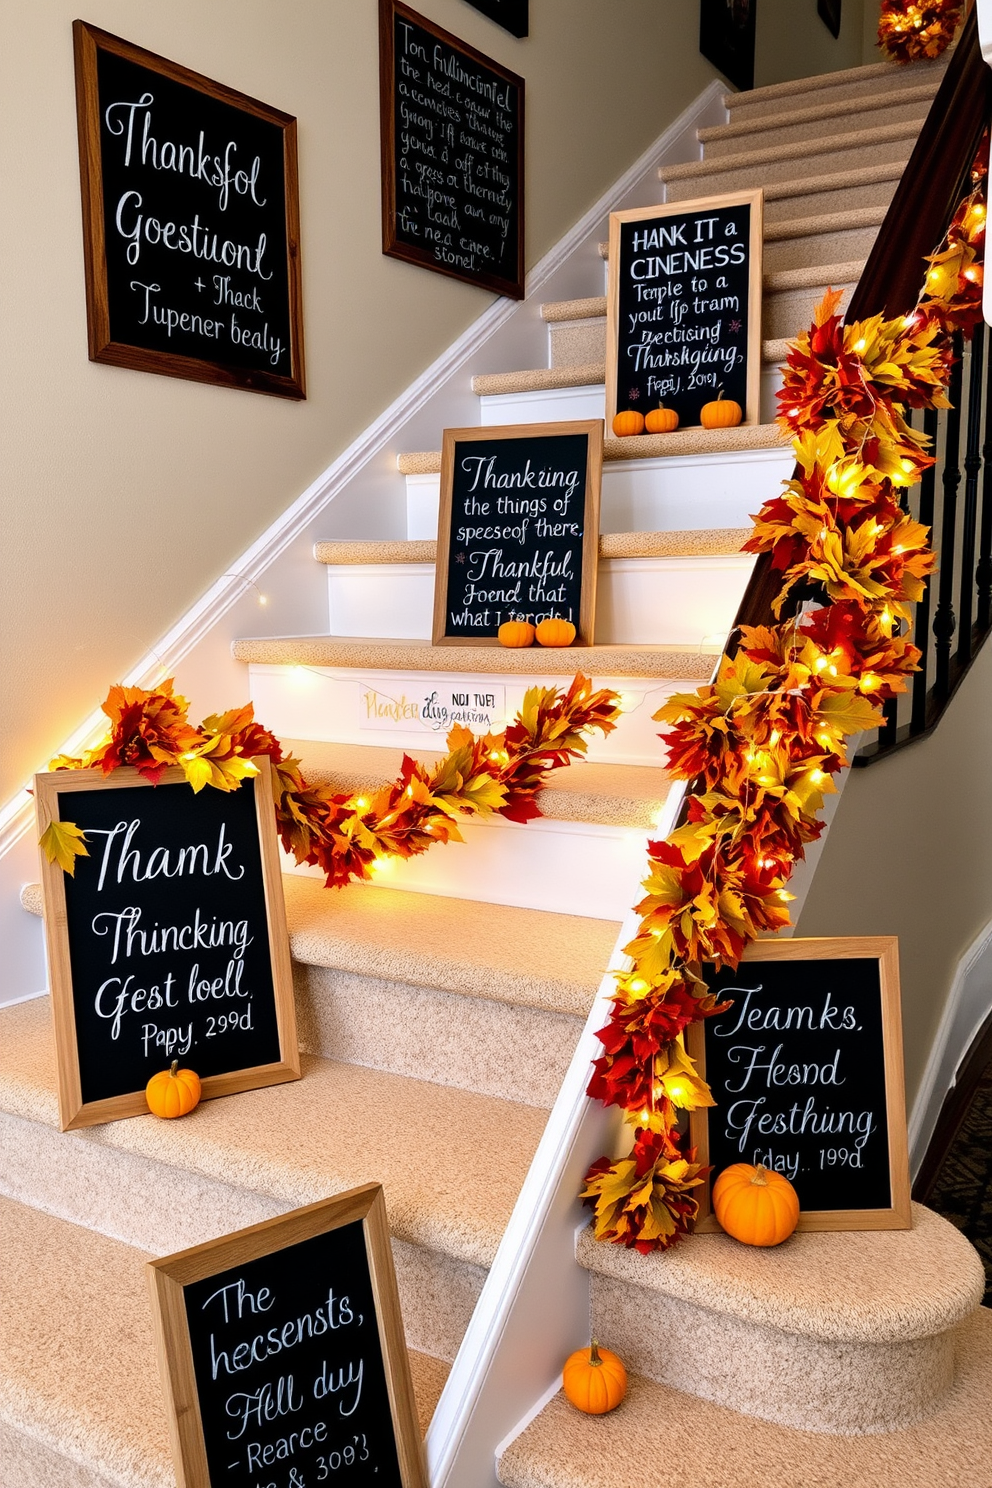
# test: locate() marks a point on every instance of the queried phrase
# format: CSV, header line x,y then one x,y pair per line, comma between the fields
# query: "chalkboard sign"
x,y
452,137
512,15
518,530
806,1071
684,307
190,222
282,1354
169,941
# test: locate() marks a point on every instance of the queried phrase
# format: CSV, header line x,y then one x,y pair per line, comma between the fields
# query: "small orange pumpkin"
x,y
755,1205
628,422
555,632
173,1092
594,1380
661,421
722,413
516,633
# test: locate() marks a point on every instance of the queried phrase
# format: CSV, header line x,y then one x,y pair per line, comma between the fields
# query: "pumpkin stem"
x,y
175,1066
760,1176
594,1354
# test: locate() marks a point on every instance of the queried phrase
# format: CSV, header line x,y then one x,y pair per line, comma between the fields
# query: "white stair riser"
x,y
342,705
640,601
494,1048
676,493
578,868
159,1208
542,407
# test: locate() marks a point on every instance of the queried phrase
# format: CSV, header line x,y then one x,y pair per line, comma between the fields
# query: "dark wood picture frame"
x,y
755,200
884,949
512,288
87,42
512,15
170,1274
829,12
727,30
593,428
74,1112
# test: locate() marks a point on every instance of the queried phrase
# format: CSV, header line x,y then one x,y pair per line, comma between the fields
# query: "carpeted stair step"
x,y
693,543
416,656
80,1398
816,119
694,441
747,169
853,85
803,196
418,984
610,795
577,328
585,374
451,1161
661,1438
838,1332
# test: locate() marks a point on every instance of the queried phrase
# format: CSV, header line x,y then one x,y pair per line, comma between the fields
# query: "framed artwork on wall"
x,y
726,38
829,13
512,15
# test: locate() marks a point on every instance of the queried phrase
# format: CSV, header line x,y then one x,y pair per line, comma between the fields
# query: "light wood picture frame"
x,y
884,949
592,430
754,200
74,1112
169,1275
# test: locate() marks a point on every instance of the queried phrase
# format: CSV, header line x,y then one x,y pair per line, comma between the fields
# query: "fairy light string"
x,y
763,742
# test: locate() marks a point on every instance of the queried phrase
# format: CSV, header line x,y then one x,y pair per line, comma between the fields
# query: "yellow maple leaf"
x,y
62,843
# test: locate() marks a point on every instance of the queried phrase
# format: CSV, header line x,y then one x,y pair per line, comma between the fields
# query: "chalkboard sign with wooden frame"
x,y
168,942
683,316
452,140
812,1084
191,222
518,529
266,1321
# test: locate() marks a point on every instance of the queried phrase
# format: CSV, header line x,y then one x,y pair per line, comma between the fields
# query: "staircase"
x,y
440,1007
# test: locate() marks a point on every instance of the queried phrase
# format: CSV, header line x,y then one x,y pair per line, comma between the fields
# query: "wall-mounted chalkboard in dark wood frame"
x,y
512,15
191,222
168,942
452,140
282,1353
684,307
806,1070
518,529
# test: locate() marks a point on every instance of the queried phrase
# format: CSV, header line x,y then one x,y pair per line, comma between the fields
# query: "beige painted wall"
x,y
910,854
793,42
125,495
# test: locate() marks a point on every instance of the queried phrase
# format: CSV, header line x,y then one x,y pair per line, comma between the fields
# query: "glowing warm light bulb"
x,y
638,985
775,736
677,1090
869,683
362,803
817,777
861,344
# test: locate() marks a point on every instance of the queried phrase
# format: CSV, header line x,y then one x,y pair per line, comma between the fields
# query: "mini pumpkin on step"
x,y
173,1092
755,1205
722,413
594,1380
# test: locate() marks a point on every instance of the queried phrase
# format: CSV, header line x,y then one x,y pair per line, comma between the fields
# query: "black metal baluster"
x,y
928,488
972,467
943,621
983,573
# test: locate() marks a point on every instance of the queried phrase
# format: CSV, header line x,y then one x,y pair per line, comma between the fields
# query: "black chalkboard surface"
x,y
452,140
806,1071
282,1353
168,942
518,530
684,307
191,222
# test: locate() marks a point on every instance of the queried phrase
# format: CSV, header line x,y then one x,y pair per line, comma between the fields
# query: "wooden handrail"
x,y
918,216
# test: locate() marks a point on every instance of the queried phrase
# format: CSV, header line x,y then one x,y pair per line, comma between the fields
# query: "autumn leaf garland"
x,y
762,743
914,30
343,834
